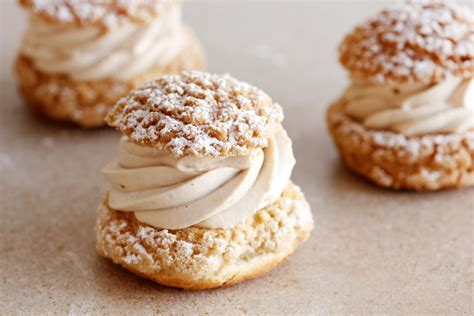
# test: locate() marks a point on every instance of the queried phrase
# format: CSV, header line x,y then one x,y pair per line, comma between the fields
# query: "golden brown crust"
x,y
106,14
86,103
202,258
392,160
198,114
421,41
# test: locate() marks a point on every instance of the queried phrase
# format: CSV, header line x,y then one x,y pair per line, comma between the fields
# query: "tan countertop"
x,y
372,251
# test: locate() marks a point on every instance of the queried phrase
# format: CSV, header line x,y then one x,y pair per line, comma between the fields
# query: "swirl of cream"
x,y
174,193
445,107
93,53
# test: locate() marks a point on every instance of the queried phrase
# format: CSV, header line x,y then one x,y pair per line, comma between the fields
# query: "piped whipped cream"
x,y
413,109
95,53
174,193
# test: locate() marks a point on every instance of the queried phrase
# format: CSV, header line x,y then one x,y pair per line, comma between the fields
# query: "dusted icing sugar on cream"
x,y
218,192
444,107
93,53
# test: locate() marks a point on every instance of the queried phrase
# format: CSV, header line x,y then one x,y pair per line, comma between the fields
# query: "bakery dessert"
x,y
201,195
407,119
79,57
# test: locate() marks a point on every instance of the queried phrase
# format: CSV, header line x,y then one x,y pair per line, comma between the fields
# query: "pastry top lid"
x,y
418,41
197,114
108,13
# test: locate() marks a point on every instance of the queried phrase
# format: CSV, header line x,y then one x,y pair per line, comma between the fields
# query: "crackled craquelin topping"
x,y
199,254
107,14
420,41
198,114
427,162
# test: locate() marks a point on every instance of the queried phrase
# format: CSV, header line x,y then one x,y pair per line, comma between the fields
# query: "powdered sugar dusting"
x,y
428,162
412,146
424,40
198,114
196,254
106,13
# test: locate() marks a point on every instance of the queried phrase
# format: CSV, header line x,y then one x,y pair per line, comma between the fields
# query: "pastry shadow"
x,y
113,276
341,177
344,178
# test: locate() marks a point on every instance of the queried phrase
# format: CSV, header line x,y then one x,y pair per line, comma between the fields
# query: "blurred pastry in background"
x,y
201,195
406,121
78,58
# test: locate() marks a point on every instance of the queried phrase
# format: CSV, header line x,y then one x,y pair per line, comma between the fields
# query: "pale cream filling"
x,y
175,193
446,107
92,53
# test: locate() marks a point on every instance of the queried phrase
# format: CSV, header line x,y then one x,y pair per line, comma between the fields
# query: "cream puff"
x,y
200,195
78,58
406,121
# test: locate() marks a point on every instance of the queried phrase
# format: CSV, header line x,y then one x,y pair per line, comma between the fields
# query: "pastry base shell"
x,y
85,103
202,258
392,160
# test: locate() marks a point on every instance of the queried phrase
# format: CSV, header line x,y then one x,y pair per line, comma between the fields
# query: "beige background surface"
x,y
372,251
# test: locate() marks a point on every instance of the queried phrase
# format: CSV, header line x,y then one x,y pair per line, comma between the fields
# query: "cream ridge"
x,y
95,53
175,193
413,109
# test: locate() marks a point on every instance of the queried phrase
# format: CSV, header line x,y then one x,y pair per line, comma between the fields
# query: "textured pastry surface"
x,y
198,114
406,120
104,13
200,258
420,41
86,103
392,160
